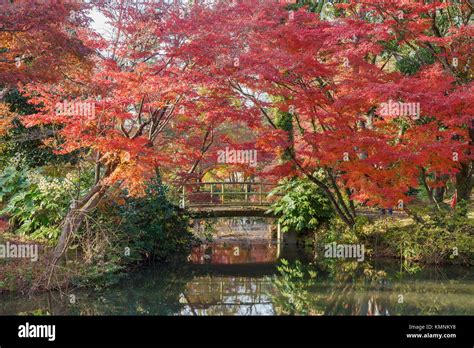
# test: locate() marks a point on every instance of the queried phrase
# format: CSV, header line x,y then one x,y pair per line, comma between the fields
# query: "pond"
x,y
246,272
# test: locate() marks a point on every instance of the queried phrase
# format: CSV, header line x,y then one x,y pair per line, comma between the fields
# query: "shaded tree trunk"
x,y
80,208
438,193
340,198
465,181
351,203
75,217
347,219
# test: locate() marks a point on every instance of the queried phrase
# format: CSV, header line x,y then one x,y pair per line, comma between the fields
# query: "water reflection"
x,y
352,288
231,277
261,289
227,296
234,253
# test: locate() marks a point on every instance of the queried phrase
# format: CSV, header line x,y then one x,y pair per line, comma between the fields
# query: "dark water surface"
x,y
244,272
230,278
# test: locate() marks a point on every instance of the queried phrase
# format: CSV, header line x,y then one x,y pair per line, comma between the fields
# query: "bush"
x,y
11,181
125,231
444,236
303,206
35,202
152,226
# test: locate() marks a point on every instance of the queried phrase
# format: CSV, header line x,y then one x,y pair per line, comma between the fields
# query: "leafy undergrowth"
x,y
18,274
24,275
442,237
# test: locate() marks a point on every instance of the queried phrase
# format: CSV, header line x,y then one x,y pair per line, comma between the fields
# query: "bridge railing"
x,y
202,194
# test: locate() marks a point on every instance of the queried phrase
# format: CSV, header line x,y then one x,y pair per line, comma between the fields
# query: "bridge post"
x,y
279,240
183,201
222,194
260,191
212,194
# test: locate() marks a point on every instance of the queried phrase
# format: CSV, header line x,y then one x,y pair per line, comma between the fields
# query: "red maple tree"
x,y
167,78
334,78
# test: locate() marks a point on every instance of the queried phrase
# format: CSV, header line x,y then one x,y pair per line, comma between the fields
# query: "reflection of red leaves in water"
x,y
228,254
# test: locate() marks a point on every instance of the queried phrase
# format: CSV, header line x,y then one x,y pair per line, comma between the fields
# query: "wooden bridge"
x,y
227,198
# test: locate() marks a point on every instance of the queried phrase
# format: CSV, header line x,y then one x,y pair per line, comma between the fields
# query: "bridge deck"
x,y
228,211
227,199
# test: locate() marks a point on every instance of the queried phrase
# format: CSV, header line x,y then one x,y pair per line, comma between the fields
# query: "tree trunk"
x,y
348,220
351,203
4,92
465,181
75,217
438,193
340,199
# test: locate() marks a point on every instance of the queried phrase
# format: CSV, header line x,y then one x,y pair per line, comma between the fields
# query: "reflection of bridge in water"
x,y
236,285
242,244
228,296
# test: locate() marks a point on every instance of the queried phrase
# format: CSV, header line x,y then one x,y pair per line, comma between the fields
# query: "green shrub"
x,y
11,181
36,203
442,237
152,226
303,206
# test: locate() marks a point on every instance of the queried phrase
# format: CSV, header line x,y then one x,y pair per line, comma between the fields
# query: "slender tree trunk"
x,y
80,208
465,181
75,217
438,193
347,219
429,191
351,203
342,204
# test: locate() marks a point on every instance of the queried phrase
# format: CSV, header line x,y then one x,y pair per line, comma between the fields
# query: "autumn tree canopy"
x,y
366,127
365,99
